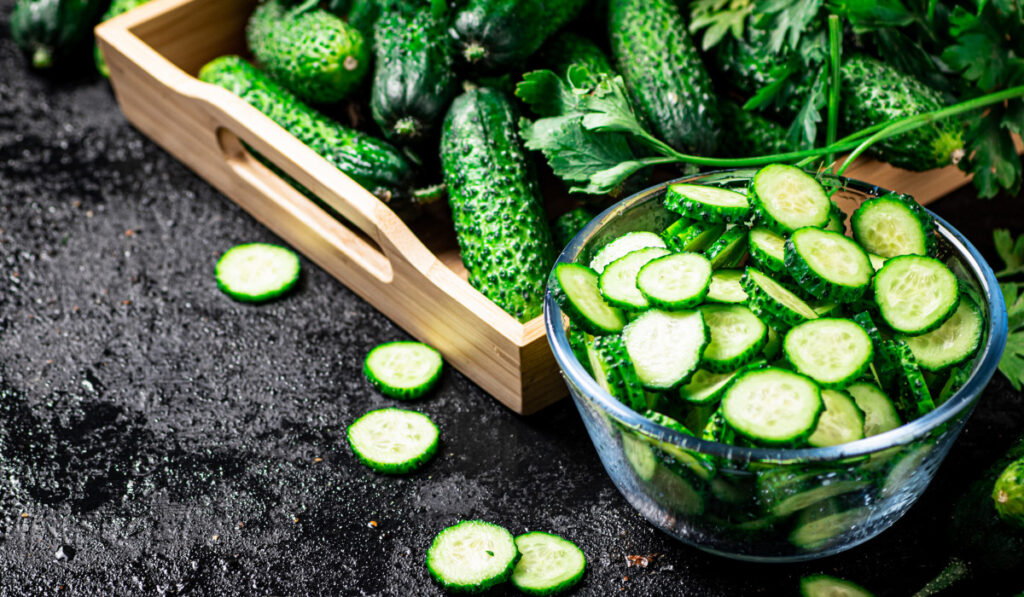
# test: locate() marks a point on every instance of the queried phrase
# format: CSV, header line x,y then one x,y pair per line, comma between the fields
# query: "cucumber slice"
x,y
706,387
836,219
622,246
675,492
614,372
696,463
915,294
675,228
913,399
951,343
772,406
841,422
578,340
823,585
832,352
819,528
665,347
696,237
257,272
828,265
548,564
472,556
403,370
737,336
773,344
676,281
879,412
786,198
578,294
730,248
877,261
958,376
725,287
768,297
785,490
716,429
618,280
767,250
392,440
640,455
824,308
707,203
893,225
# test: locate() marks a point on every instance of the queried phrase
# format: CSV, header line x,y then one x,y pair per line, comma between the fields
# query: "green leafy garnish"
x,y
719,17
1012,254
1010,251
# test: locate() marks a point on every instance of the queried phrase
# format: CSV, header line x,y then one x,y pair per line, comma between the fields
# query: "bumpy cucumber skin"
x,y
741,66
927,223
818,286
399,468
767,308
396,392
363,15
413,78
1008,494
748,133
622,378
372,163
665,76
569,224
496,205
677,201
898,372
492,34
486,583
49,31
876,92
728,251
315,54
762,258
573,312
696,237
569,49
117,7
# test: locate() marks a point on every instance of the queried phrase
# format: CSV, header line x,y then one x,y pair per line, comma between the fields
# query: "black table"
x,y
156,437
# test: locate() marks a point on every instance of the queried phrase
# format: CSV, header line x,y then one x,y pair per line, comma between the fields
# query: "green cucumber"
x,y
821,526
548,564
618,280
823,585
786,198
767,250
495,202
877,92
623,245
879,412
566,50
893,225
772,406
257,272
665,347
783,490
664,73
828,265
403,370
578,294
568,225
737,337
117,7
771,300
472,556
729,249
1008,493
841,422
833,352
707,203
726,287
676,281
953,342
498,34
372,163
615,372
748,134
51,31
392,440
313,53
706,387
915,295
695,237
413,77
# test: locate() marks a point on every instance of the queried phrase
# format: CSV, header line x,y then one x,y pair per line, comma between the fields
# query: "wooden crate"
x,y
414,276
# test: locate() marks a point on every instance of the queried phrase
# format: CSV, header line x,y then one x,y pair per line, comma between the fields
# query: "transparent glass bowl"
x,y
758,504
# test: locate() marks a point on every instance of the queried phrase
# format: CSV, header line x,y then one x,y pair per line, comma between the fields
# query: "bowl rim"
x,y
904,434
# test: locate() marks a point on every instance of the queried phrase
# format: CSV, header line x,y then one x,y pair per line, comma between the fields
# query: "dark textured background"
x,y
157,438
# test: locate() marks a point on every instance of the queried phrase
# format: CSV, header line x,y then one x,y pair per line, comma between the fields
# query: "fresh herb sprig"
x,y
1012,254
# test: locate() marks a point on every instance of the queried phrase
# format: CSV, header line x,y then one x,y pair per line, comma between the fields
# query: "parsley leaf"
x,y
787,20
718,17
1010,251
1012,363
993,158
545,93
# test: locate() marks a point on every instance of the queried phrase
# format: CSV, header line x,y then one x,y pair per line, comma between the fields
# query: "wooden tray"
x,y
413,275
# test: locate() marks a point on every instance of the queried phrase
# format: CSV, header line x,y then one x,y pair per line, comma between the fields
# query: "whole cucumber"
x,y
496,204
51,30
117,7
665,76
750,134
875,92
372,163
569,49
312,52
413,79
494,34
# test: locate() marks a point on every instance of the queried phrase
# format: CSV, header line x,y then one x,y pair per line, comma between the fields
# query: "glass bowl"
x,y
761,504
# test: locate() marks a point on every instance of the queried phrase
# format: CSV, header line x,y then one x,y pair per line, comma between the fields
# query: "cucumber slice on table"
x,y
548,564
773,302
725,287
257,272
730,248
676,281
618,281
832,352
786,198
767,250
916,295
472,556
772,406
842,421
951,343
698,236
707,203
622,246
665,347
879,412
828,265
392,440
403,370
737,336
893,225
578,294
823,585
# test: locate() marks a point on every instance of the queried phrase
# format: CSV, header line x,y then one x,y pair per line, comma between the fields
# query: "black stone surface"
x,y
158,438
